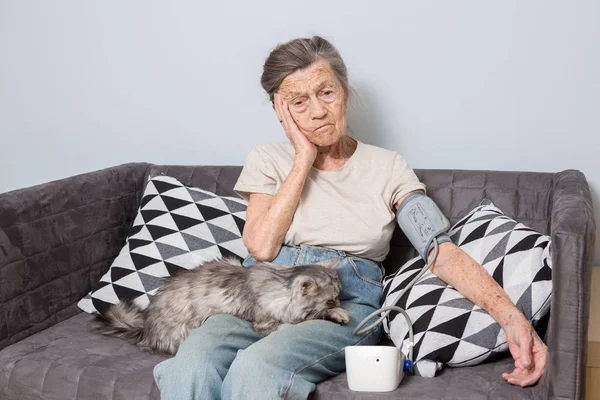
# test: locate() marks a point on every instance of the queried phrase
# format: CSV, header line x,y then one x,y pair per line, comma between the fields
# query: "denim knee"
x,y
197,369
189,367
253,376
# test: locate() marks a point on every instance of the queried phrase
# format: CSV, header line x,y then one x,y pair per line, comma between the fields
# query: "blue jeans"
x,y
225,359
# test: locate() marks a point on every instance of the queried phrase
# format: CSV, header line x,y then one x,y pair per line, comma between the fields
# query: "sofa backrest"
x,y
524,196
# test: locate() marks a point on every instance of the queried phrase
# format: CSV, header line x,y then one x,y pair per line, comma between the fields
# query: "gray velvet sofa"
x,y
57,239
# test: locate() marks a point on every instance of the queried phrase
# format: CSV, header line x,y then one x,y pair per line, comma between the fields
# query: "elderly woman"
x,y
319,195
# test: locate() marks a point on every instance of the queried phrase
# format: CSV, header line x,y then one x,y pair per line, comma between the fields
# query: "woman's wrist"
x,y
303,162
505,312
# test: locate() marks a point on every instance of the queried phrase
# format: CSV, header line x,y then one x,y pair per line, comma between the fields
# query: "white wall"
x,y
507,85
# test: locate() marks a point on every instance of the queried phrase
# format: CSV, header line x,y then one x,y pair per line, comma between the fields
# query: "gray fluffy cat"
x,y
265,294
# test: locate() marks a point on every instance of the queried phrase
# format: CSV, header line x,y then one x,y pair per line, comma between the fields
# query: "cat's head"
x,y
315,290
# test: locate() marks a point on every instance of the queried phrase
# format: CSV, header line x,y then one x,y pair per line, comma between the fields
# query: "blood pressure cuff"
x,y
421,221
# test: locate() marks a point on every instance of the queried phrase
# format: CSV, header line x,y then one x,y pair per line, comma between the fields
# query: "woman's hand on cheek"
x,y
305,150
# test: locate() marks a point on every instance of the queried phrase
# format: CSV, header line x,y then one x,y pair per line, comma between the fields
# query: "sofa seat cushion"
x,y
67,361
481,382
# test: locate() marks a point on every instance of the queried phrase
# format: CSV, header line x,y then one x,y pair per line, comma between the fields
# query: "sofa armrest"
x,y
56,241
572,230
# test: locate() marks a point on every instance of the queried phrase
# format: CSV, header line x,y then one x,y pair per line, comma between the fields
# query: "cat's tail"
x,y
123,320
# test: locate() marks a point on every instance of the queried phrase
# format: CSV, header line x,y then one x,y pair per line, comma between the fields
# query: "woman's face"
x,y
317,103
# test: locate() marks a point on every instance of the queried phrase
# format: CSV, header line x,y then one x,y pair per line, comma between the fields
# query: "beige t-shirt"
x,y
350,208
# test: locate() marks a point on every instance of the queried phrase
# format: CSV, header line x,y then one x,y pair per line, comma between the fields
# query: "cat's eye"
x,y
331,302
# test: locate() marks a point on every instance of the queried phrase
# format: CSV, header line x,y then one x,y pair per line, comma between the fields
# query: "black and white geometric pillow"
x,y
448,328
177,226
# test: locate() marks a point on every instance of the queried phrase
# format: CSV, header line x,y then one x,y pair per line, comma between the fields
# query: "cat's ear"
x,y
330,263
308,287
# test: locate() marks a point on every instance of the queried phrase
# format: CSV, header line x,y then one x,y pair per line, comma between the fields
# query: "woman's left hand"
x,y
529,352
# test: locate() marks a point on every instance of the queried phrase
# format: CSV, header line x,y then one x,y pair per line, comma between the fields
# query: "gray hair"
x,y
297,54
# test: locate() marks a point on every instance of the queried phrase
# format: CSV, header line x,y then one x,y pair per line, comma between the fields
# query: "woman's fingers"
x,y
277,105
528,376
516,376
286,118
300,142
286,113
523,377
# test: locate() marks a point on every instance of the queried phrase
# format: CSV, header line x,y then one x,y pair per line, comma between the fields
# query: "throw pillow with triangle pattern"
x,y
177,226
448,328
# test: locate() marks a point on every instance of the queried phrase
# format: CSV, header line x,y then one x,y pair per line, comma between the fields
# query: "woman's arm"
x,y
268,218
466,275
461,271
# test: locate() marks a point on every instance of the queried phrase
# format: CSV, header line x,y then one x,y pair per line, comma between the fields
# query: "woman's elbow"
x,y
262,255
258,251
448,253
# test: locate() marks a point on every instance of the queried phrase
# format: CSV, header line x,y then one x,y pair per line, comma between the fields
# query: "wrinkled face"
x,y
317,103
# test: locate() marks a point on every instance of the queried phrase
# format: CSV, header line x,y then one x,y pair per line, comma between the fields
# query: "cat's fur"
x,y
265,294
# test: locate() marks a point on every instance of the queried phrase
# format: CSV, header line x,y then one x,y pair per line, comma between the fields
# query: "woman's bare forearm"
x,y
267,230
461,271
